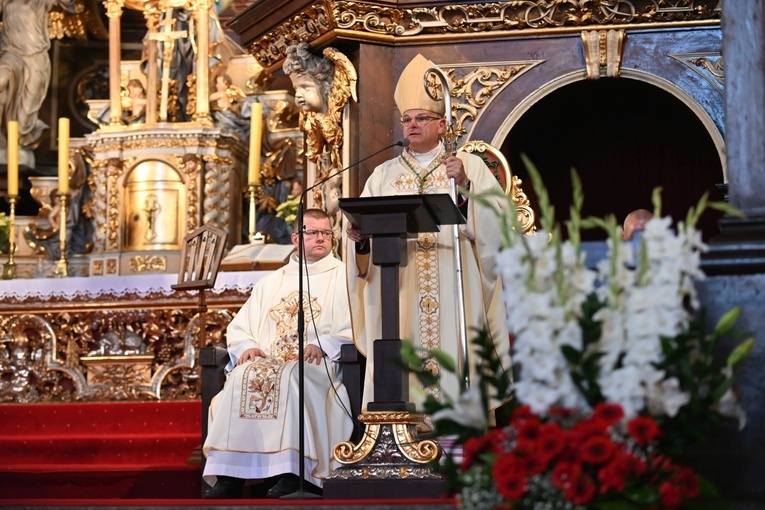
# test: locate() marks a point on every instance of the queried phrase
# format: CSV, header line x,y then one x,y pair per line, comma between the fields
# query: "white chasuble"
x,y
253,422
428,297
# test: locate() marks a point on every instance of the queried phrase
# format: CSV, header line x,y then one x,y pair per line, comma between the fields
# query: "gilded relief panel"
x,y
137,349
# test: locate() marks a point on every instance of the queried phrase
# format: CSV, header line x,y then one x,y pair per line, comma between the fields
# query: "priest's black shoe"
x,y
289,483
227,487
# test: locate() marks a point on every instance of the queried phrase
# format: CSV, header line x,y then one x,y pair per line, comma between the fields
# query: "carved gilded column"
x,y
114,13
202,15
152,22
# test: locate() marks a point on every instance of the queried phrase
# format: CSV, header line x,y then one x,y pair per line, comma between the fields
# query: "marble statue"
x,y
25,65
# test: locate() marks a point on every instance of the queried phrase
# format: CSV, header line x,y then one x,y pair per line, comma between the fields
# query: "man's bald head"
x,y
635,221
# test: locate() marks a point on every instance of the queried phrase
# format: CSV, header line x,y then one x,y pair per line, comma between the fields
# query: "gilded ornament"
x,y
709,65
511,18
148,263
68,348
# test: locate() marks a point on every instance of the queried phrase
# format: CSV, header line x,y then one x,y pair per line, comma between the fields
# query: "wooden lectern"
x,y
389,459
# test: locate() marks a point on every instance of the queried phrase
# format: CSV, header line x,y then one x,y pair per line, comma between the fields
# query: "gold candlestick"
x,y
253,191
62,269
9,268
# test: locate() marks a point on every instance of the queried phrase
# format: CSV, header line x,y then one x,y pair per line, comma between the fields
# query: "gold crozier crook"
x,y
450,143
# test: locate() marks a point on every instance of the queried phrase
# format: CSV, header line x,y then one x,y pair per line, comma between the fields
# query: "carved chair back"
x,y
499,165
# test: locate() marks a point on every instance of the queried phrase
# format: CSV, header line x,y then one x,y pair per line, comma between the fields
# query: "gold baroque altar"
x,y
109,338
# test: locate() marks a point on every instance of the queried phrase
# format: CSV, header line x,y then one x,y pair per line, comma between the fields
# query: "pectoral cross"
x,y
167,36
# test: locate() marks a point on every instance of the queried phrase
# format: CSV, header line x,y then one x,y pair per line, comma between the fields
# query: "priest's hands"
x,y
355,234
456,170
250,355
313,354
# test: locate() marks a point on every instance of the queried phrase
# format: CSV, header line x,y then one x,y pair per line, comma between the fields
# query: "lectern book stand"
x,y
389,459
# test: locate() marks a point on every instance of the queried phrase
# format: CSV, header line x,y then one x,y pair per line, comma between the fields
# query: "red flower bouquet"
x,y
573,461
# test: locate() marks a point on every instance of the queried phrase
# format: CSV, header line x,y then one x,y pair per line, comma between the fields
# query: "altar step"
x,y
99,450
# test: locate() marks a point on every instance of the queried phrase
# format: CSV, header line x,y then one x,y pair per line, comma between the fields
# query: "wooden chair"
x,y
498,164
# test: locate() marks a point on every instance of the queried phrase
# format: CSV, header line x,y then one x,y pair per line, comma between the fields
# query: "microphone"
x,y
301,313
404,142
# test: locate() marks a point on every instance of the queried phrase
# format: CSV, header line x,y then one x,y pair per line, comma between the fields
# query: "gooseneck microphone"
x,y
301,493
404,142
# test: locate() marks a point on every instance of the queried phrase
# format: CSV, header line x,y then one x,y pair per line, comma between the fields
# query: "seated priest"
x,y
253,421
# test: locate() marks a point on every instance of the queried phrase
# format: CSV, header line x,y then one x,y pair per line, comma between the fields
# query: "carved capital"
x,y
603,52
114,8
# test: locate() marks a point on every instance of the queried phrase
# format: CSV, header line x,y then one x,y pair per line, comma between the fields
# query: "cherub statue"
x,y
135,107
323,86
229,106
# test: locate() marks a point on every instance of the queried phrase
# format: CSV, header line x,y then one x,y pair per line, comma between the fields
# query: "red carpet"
x,y
202,504
131,455
99,450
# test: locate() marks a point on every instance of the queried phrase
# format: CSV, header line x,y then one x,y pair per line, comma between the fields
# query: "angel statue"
x,y
322,88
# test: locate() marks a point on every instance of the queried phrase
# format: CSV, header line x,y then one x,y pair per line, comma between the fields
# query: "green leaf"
x,y
616,504
721,389
410,355
572,355
656,199
727,209
547,219
706,487
643,495
444,359
741,351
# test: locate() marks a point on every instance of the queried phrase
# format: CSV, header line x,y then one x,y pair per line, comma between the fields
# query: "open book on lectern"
x,y
256,256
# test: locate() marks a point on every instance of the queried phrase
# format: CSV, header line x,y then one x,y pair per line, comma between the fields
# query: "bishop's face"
x,y
307,93
423,128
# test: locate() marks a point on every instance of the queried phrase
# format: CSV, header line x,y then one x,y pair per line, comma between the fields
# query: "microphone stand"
x,y
301,493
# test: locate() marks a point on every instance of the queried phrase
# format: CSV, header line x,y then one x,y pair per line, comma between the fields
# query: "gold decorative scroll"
x,y
709,65
474,85
501,19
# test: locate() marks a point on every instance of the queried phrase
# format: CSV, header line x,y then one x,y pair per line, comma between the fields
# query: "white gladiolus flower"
x,y
666,397
467,411
644,292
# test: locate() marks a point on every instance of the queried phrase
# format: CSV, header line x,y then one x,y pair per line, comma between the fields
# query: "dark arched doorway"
x,y
624,137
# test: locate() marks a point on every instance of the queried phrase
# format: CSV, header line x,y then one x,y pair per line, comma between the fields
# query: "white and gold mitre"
x,y
410,90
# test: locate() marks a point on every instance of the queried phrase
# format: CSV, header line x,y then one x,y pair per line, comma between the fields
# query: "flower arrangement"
x,y
572,460
288,210
614,371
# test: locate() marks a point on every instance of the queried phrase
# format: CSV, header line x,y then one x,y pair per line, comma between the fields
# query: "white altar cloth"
x,y
94,286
